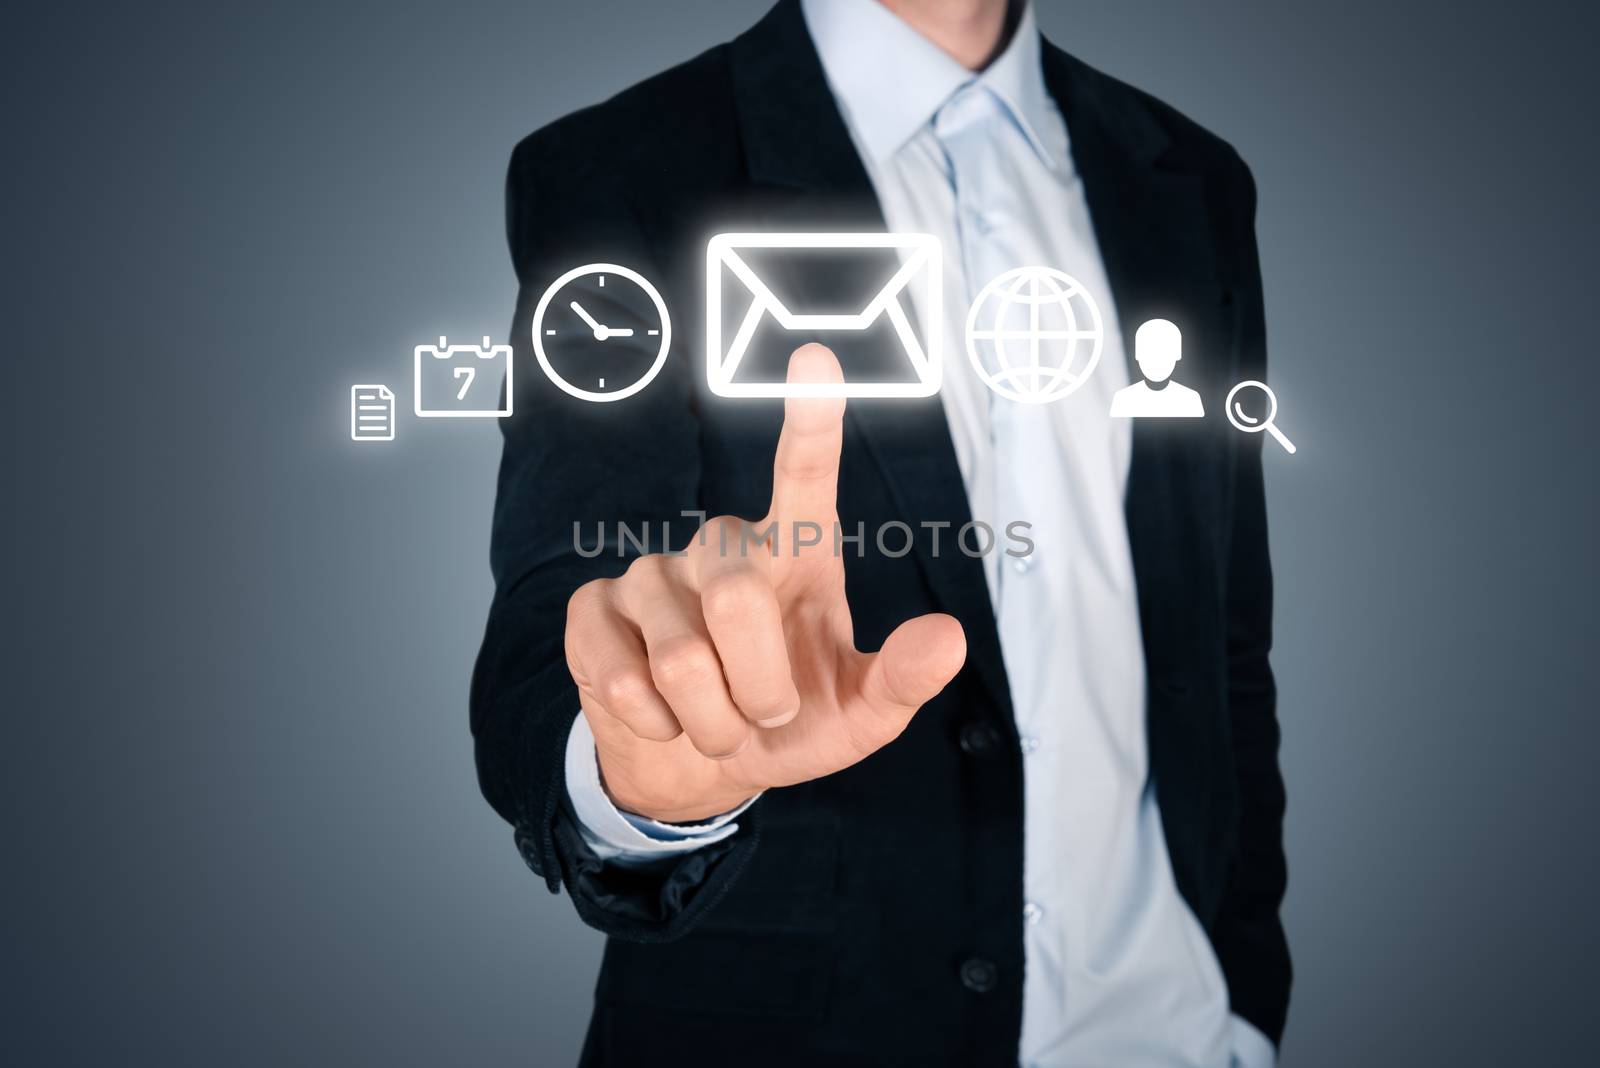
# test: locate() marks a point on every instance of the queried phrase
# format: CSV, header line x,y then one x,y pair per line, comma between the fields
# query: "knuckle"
x,y
626,694
644,568
586,601
685,664
734,597
731,524
717,536
809,463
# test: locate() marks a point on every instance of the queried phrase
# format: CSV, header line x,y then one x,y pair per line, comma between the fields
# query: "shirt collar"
x,y
890,80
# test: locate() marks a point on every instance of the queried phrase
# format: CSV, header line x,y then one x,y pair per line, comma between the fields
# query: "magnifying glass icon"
x,y
1251,424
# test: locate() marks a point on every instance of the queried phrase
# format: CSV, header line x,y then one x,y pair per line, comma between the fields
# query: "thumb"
x,y
917,661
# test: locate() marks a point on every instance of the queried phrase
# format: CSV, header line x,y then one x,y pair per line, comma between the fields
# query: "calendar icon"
x,y
462,380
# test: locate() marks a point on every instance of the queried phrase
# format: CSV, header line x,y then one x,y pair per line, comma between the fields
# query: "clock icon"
x,y
601,332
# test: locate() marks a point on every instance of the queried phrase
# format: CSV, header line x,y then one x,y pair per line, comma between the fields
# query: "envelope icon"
x,y
731,279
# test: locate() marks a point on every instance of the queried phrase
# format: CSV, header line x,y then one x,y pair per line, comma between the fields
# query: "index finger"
x,y
805,476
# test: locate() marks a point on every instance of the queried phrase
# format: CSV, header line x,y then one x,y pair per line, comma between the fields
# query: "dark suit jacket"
x,y
875,916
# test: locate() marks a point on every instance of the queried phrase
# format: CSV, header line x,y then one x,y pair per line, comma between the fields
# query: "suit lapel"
x,y
796,142
1149,220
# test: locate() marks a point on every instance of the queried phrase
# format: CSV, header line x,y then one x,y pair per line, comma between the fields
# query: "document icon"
x,y
462,381
852,297
371,413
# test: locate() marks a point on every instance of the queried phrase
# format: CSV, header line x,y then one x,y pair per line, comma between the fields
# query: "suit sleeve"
x,y
1248,932
570,473
620,837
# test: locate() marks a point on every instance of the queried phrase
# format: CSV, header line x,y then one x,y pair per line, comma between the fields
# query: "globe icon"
x,y
1034,334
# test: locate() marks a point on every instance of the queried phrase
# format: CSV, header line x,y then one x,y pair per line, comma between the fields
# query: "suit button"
x,y
529,848
979,740
979,975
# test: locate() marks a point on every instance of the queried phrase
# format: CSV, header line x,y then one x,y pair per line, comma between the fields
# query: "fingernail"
x,y
777,721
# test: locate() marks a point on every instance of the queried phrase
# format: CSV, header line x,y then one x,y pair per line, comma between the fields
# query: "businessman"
x,y
835,806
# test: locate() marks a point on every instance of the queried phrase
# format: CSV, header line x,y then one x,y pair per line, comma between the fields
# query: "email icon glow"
x,y
774,278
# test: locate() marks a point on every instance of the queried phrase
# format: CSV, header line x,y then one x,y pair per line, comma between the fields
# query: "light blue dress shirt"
x,y
1118,970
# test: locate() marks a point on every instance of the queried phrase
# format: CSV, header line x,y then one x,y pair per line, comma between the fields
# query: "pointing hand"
x,y
709,677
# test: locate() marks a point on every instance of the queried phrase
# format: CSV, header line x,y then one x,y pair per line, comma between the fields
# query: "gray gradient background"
x,y
243,825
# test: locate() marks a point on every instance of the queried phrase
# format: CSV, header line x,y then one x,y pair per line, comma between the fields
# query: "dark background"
x,y
242,820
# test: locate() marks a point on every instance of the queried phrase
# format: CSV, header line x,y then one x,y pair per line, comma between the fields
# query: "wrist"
x,y
669,805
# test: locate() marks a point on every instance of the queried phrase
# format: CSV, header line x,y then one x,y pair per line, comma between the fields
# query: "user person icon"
x,y
1157,347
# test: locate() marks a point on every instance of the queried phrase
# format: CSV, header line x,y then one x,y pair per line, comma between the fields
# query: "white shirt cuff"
x,y
620,837
1251,1048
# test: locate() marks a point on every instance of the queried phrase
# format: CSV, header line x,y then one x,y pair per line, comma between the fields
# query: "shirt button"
x,y
1032,914
979,975
1029,743
1022,564
979,740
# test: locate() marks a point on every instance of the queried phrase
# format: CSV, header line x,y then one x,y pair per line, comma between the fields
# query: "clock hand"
x,y
599,331
612,331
